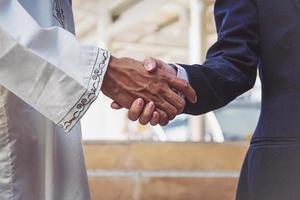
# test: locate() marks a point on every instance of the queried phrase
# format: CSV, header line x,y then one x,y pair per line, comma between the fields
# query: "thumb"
x,y
150,64
116,106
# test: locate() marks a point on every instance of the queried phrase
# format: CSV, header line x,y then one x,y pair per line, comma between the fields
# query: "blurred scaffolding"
x,y
173,30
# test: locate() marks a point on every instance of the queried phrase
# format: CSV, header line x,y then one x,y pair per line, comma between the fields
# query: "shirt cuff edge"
x,y
91,93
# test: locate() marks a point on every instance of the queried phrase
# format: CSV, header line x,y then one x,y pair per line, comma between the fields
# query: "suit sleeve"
x,y
231,63
47,67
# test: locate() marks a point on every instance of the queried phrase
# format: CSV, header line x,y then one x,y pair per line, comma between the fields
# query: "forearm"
x,y
231,63
47,67
214,89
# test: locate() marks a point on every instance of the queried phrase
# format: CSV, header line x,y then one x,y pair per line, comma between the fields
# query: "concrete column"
x,y
196,49
104,22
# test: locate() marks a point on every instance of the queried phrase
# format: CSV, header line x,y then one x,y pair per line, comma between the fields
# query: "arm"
x,y
51,71
231,64
47,67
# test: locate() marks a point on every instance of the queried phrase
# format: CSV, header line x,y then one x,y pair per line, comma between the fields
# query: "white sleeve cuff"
x,y
91,93
181,72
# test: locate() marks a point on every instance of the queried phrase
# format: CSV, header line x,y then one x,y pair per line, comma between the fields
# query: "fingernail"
x,y
196,99
151,105
140,102
150,66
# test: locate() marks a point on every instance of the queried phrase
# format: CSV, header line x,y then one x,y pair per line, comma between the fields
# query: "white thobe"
x,y
47,82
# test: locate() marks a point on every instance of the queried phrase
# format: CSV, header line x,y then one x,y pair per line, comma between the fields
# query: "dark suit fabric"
x,y
261,35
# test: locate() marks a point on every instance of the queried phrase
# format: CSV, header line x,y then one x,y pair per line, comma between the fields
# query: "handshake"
x,y
150,90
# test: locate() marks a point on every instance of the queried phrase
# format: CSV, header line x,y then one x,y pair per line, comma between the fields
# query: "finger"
x,y
168,108
136,109
176,100
150,64
184,87
147,113
155,119
115,105
163,117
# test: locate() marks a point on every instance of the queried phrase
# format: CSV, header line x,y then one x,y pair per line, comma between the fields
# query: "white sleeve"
x,y
181,72
47,67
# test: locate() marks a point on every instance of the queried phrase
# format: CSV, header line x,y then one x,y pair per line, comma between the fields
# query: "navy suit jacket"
x,y
231,64
264,36
253,35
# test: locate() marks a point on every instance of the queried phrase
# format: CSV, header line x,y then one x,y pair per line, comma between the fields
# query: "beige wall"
x,y
138,171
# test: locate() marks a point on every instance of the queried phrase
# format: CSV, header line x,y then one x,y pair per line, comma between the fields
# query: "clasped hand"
x,y
151,90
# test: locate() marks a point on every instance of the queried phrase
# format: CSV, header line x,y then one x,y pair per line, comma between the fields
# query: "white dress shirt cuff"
x,y
181,72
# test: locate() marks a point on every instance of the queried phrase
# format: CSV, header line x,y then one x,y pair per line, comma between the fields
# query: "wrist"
x,y
175,69
107,79
113,62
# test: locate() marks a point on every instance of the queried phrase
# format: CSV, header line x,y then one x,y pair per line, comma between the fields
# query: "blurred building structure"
x,y
177,31
172,30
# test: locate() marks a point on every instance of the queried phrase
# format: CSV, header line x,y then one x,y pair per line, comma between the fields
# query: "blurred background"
x,y
191,158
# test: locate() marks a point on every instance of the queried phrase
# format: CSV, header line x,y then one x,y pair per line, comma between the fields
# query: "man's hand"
x,y
147,113
126,80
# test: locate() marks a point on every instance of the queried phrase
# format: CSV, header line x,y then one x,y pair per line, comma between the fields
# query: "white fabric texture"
x,y
47,79
55,66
